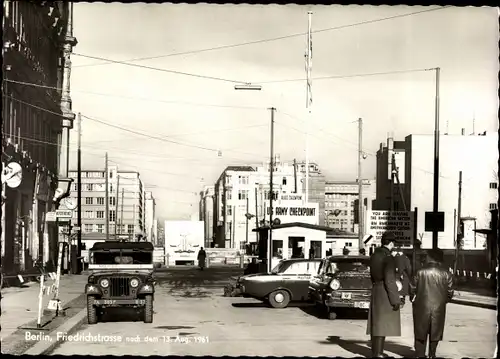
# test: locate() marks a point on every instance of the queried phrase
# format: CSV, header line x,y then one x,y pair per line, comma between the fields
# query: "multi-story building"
x,y
207,213
125,204
244,191
341,201
150,215
476,156
316,187
34,36
388,194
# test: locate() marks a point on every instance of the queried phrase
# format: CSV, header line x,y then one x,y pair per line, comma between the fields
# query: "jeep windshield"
x,y
121,257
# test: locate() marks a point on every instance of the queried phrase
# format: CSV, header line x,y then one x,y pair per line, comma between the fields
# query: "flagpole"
x,y
309,99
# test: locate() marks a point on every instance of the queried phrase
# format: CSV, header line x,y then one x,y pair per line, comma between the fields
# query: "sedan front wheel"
x,y
279,299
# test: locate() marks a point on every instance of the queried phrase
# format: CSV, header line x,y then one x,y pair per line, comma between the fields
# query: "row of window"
x,y
97,215
99,228
342,204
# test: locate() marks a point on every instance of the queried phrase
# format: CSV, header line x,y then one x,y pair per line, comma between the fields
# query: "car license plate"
x,y
362,305
346,295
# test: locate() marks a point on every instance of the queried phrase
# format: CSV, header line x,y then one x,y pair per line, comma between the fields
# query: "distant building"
x,y
126,201
341,203
150,215
476,156
207,213
244,191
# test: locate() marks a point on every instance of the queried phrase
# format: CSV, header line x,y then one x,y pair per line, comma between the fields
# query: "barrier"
x,y
45,290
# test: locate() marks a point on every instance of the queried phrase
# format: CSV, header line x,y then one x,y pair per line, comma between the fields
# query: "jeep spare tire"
x,y
279,299
91,310
148,309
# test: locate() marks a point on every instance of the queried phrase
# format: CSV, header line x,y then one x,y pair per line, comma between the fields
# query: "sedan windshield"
x,y
348,266
279,268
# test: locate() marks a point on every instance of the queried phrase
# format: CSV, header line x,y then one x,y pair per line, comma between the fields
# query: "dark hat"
x,y
435,255
387,238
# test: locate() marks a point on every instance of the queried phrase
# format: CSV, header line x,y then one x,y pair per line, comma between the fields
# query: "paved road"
x,y
191,311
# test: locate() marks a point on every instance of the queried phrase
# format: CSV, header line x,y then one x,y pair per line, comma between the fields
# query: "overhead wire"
x,y
136,97
161,69
163,139
271,39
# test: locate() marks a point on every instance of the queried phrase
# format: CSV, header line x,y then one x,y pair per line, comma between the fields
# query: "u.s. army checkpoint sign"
x,y
400,223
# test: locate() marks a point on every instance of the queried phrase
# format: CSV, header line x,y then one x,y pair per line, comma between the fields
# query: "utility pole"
x,y
435,206
79,193
295,174
234,228
246,215
133,224
309,97
271,198
360,184
256,216
121,214
107,196
459,220
116,205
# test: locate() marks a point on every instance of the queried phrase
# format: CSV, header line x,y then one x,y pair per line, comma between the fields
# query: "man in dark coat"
x,y
403,270
433,289
384,318
252,267
202,257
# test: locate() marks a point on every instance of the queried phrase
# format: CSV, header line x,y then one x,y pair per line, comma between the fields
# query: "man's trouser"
x,y
420,346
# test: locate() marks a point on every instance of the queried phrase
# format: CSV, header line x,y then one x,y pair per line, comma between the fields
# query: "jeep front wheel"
x,y
279,299
91,310
148,309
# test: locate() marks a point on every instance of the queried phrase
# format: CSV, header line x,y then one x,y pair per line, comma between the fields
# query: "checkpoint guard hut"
x,y
293,240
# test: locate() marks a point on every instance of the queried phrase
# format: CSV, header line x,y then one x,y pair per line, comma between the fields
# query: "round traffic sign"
x,y
12,174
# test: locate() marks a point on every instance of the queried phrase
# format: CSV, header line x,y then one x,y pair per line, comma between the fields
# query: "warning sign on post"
x,y
400,223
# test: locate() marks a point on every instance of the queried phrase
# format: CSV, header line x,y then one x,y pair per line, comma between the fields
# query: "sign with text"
x,y
288,213
291,197
400,223
64,214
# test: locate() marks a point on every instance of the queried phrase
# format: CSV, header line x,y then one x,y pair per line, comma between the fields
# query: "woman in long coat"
x,y
384,318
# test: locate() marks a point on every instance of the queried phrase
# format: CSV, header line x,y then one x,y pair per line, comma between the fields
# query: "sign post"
x,y
400,223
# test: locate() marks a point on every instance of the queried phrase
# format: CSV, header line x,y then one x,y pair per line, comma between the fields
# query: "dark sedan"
x,y
288,281
342,282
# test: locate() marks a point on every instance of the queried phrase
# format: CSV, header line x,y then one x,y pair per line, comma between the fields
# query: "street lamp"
x,y
250,87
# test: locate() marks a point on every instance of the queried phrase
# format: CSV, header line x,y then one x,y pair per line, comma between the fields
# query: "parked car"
x,y
287,282
342,282
121,275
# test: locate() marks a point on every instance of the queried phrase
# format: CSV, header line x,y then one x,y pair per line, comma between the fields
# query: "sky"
x,y
175,124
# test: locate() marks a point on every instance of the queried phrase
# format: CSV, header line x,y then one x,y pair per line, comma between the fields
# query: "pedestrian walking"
x,y
345,251
433,289
202,257
252,267
404,272
384,318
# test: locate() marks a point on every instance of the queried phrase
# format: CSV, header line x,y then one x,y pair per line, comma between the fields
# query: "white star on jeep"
x,y
146,287
91,287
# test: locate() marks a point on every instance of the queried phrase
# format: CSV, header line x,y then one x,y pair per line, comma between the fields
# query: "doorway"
x,y
316,250
297,246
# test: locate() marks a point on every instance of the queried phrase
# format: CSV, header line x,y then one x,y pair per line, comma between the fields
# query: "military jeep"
x,y
121,275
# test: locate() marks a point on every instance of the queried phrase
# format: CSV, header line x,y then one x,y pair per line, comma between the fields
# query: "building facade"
x,y
476,156
34,62
207,213
149,216
242,193
125,204
341,204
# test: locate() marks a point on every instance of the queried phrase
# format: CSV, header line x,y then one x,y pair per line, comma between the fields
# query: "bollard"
x,y
242,261
167,260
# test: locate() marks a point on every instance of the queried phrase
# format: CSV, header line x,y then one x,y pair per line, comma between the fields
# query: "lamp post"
x,y
250,87
435,206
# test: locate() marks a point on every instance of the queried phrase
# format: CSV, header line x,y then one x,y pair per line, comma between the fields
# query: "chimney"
x,y
463,131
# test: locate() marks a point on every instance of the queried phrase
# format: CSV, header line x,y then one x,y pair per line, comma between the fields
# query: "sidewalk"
x,y
476,300
20,309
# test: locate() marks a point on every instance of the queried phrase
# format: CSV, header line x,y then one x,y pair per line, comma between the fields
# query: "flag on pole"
x,y
309,62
